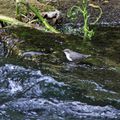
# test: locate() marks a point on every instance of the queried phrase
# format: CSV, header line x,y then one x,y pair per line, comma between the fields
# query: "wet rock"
x,y
54,16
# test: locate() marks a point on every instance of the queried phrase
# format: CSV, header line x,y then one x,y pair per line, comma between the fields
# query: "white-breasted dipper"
x,y
74,56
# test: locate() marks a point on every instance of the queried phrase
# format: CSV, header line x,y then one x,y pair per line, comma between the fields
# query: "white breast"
x,y
68,57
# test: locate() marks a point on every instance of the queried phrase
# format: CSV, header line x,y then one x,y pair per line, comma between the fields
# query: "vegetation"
x,y
83,9
37,12
72,13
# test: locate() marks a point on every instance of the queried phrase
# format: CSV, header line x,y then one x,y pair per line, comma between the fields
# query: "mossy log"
x,y
13,21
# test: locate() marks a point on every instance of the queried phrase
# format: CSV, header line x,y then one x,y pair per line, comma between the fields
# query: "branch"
x,y
13,21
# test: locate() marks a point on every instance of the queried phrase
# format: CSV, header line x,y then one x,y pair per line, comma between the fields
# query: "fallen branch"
x,y
13,21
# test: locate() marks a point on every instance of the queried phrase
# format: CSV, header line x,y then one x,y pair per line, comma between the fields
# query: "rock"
x,y
54,16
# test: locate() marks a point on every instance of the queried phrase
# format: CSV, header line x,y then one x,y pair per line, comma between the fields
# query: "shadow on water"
x,y
63,90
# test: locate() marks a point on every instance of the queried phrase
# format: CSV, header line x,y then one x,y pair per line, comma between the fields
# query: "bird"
x,y
74,56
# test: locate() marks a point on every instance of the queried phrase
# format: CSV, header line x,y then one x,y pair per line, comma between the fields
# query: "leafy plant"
x,y
83,9
37,12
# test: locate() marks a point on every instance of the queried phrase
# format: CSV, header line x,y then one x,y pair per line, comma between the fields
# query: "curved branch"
x,y
101,12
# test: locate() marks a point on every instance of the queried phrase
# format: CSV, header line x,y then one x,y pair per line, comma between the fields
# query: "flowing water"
x,y
52,88
28,94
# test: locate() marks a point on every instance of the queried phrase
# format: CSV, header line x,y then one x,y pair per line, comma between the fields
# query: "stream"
x,y
28,94
48,87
